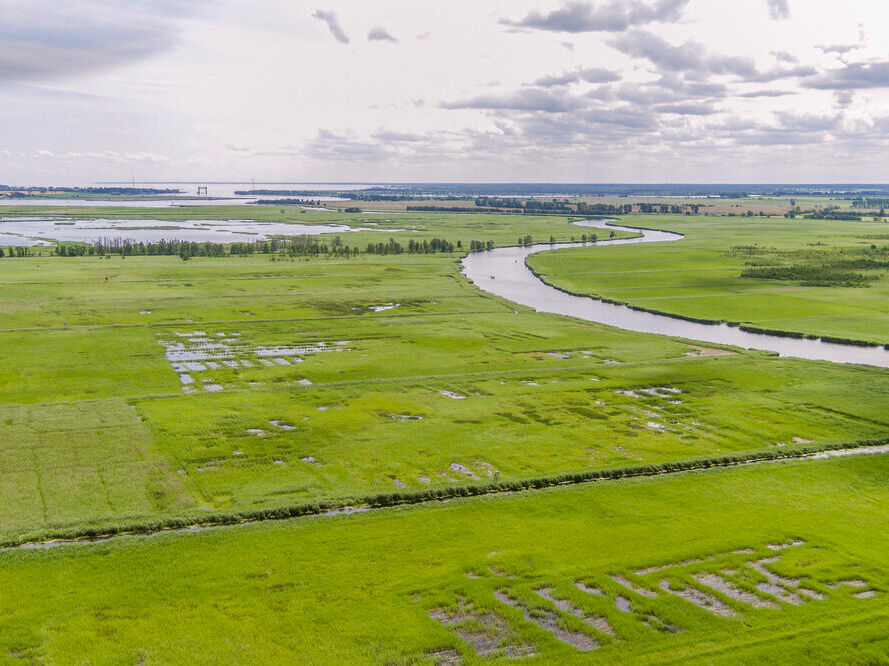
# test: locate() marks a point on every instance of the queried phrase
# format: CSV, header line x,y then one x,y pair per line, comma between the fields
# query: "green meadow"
x,y
147,391
483,579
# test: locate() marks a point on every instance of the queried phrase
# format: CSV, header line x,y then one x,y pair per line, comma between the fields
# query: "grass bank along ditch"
x,y
384,500
503,272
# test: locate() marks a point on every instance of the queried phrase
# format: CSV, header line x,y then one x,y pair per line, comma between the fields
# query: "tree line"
x,y
560,207
304,245
25,192
292,246
15,251
872,204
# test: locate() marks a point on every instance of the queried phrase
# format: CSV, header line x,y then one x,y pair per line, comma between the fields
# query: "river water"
x,y
503,272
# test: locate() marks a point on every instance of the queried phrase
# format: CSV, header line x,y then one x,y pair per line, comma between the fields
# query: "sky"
x,y
709,91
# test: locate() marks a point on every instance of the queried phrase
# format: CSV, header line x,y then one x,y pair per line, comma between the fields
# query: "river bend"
x,y
502,271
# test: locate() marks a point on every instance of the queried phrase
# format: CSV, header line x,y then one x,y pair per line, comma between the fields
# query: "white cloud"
x,y
778,9
333,24
614,16
380,34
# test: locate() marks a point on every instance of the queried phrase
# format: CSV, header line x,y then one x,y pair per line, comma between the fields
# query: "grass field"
x,y
428,584
316,393
700,275
147,391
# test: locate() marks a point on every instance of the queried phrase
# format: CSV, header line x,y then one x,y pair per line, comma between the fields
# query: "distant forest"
x,y
25,192
404,191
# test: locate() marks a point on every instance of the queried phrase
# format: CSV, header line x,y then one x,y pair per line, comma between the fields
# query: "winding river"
x,y
503,272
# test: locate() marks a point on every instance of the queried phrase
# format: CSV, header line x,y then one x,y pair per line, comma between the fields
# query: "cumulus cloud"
x,y
588,74
776,73
615,16
785,128
853,76
778,9
527,99
784,56
647,95
839,49
843,98
398,137
380,34
766,93
777,137
807,122
693,61
686,109
689,57
333,24
49,40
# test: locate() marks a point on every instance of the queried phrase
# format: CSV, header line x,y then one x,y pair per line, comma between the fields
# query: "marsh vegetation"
x,y
346,395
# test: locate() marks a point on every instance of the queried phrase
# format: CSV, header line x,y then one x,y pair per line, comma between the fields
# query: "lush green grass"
x,y
63,463
700,276
377,438
358,589
374,418
447,387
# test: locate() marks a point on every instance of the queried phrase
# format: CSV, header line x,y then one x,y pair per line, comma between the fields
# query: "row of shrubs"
x,y
809,276
381,500
427,494
835,339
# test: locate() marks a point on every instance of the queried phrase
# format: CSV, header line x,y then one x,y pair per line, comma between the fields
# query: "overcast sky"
x,y
444,90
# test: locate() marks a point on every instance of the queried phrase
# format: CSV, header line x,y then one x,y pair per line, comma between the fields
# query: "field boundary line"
x,y
173,324
49,539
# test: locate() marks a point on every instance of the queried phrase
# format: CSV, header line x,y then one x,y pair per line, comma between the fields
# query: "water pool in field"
x,y
43,230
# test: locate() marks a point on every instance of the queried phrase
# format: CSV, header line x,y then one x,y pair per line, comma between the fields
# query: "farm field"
x,y
772,563
700,277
